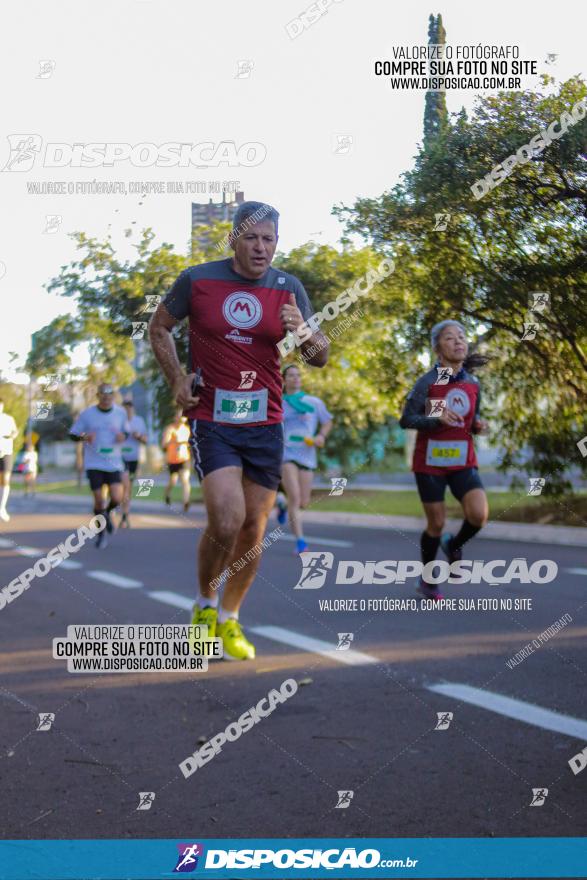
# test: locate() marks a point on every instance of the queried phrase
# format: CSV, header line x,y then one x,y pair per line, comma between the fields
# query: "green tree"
x,y
108,296
350,384
435,113
526,235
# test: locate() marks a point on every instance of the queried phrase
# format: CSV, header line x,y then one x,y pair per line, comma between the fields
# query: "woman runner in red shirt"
x,y
443,406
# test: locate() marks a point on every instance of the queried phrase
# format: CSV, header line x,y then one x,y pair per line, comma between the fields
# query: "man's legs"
x,y
100,509
259,502
126,490
100,506
116,495
225,505
237,509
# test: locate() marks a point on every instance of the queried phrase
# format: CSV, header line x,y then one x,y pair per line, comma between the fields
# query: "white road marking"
x,y
173,599
163,520
316,646
32,552
315,542
518,709
576,570
116,580
69,563
5,543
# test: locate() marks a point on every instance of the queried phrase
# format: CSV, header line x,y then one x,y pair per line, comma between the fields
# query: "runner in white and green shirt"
x,y
306,425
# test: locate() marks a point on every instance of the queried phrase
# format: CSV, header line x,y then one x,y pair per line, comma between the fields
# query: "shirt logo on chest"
x,y
242,309
458,401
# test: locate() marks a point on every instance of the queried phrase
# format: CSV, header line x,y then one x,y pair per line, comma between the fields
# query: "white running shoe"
x,y
4,516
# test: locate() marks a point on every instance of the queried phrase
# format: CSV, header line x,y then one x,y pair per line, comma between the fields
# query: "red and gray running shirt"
x,y
234,328
441,449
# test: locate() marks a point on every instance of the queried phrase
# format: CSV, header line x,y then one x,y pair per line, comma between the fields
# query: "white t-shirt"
x,y
130,447
7,430
30,462
297,425
104,453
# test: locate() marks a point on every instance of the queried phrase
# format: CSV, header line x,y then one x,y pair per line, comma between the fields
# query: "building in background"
x,y
208,213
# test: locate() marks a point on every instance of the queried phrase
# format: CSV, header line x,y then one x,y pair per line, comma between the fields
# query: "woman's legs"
x,y
291,484
170,484
435,512
476,514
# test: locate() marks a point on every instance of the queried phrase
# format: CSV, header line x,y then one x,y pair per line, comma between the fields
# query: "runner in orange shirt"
x,y
175,444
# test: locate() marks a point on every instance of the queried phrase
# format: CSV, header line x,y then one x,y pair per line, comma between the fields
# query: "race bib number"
x,y
106,450
447,453
127,448
240,407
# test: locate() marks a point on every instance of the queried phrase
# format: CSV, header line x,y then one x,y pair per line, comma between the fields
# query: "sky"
x,y
145,71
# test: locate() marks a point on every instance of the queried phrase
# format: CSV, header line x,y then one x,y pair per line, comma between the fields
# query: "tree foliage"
x,y
526,235
435,112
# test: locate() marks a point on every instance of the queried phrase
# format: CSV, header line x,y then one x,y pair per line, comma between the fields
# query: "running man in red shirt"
x,y
443,406
238,310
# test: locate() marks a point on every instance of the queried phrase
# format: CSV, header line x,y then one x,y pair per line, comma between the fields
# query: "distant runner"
x,y
302,415
444,454
238,309
8,434
102,429
30,468
176,446
137,435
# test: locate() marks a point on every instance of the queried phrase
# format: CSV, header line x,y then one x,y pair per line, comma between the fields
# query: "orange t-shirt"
x,y
176,441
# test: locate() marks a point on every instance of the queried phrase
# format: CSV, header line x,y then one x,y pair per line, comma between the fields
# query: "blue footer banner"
x,y
283,858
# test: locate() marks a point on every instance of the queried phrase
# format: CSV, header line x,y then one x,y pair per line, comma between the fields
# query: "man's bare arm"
x,y
163,345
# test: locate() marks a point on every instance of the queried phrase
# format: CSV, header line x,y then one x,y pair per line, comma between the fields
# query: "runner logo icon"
x,y
146,799
444,719
23,151
247,378
187,861
315,566
46,719
242,310
539,795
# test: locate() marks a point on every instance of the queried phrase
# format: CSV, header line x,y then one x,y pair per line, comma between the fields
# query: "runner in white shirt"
x,y
102,429
137,434
8,432
30,468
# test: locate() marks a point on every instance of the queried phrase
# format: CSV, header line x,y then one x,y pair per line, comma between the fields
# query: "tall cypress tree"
x,y
435,112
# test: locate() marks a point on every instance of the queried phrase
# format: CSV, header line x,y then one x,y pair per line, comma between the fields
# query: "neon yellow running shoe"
x,y
204,617
236,646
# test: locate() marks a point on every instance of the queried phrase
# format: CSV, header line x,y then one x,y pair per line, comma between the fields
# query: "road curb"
x,y
523,533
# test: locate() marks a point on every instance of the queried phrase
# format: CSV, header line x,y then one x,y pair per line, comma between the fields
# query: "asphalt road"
x,y
362,720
